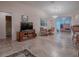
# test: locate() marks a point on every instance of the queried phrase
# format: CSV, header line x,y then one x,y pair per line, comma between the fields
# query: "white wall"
x,y
75,20
2,26
16,10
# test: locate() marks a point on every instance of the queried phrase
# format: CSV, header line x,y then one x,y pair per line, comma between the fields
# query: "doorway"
x,y
63,24
8,20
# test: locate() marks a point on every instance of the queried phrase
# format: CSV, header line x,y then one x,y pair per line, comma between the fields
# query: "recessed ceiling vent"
x,y
52,2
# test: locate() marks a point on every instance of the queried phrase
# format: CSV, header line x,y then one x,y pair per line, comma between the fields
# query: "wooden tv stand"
x,y
26,35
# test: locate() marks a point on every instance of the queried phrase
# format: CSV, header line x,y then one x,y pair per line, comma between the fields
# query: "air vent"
x,y
52,1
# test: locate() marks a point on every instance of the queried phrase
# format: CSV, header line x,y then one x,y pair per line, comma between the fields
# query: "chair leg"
x,y
73,36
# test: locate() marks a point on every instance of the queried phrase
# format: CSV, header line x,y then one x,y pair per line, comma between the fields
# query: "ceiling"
x,y
55,7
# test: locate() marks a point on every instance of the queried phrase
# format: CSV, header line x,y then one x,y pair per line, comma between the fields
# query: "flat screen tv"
x,y
26,26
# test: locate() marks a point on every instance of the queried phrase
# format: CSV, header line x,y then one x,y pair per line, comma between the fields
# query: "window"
x,y
43,22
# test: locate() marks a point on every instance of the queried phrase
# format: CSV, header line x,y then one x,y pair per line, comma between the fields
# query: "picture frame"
x,y
24,18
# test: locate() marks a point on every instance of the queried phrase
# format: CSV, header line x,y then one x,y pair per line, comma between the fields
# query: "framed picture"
x,y
24,18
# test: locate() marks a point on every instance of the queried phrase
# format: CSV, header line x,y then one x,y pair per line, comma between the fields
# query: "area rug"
x,y
23,53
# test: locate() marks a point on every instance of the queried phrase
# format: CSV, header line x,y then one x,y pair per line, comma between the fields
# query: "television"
x,y
26,26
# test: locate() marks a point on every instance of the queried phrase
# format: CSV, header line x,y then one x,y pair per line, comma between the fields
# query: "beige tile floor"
x,y
57,45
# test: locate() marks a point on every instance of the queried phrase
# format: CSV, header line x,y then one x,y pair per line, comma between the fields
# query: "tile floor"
x,y
57,45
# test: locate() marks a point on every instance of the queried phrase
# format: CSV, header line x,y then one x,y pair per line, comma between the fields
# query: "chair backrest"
x,y
75,28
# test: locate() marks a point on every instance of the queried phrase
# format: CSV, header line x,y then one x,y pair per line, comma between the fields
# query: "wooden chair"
x,y
75,30
77,39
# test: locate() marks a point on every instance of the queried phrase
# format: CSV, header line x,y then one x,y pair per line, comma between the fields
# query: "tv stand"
x,y
26,35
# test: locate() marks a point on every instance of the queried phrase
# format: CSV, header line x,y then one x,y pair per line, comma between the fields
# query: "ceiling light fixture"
x,y
54,17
